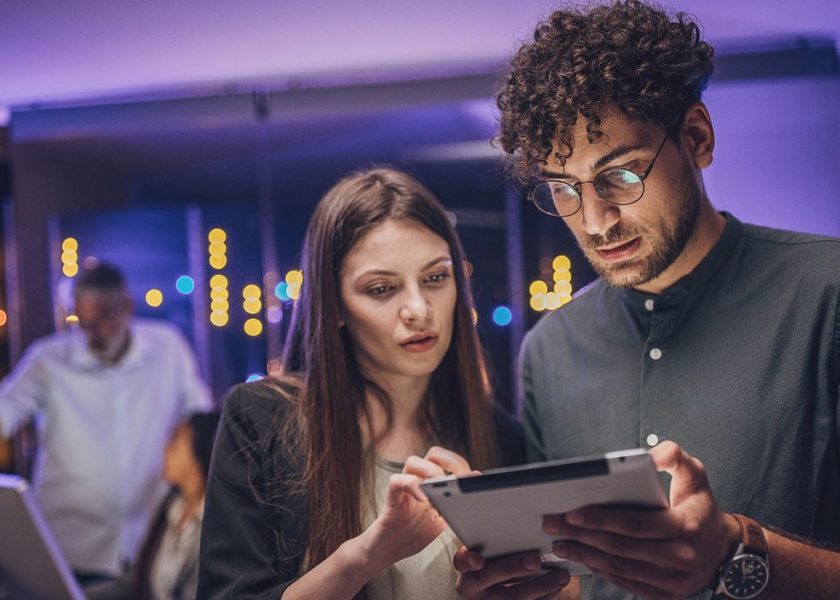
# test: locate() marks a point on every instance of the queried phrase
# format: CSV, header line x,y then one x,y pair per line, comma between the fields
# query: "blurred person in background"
x,y
105,396
167,563
314,487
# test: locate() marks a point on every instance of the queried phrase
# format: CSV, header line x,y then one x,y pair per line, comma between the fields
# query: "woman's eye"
x,y
437,277
379,290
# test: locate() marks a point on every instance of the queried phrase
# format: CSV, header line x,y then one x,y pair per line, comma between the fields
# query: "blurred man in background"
x,y
105,398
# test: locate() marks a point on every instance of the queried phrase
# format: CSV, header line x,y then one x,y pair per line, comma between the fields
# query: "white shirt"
x,y
174,568
102,430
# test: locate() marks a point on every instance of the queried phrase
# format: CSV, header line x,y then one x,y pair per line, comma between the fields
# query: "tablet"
x,y
500,511
31,563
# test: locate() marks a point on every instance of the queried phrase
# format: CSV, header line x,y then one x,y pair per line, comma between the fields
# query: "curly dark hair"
x,y
628,55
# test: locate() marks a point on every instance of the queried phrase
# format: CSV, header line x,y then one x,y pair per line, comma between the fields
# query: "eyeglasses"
x,y
617,186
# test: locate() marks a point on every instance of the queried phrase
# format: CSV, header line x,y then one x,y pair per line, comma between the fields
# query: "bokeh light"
x,y
185,284
253,327
154,297
3,317
254,377
502,316
280,291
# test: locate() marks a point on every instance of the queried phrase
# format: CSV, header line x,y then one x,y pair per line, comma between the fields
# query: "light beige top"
x,y
427,574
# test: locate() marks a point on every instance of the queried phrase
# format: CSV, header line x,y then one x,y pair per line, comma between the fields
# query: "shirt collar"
x,y
700,276
83,358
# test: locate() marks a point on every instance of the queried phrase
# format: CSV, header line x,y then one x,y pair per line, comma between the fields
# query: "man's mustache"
x,y
616,235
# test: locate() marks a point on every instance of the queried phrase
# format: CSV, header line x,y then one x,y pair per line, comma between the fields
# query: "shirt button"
x,y
649,305
655,353
652,440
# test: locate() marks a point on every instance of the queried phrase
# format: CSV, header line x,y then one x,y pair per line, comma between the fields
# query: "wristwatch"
x,y
747,572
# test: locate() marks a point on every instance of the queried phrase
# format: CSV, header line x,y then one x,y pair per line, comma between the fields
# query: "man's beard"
x,y
665,243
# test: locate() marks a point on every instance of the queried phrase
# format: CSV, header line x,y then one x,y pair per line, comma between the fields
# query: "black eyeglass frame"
x,y
574,186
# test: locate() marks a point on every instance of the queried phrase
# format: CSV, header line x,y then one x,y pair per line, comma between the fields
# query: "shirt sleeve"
x,y
23,392
239,543
534,448
195,393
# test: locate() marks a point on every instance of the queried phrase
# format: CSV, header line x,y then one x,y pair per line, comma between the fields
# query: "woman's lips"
x,y
621,252
420,344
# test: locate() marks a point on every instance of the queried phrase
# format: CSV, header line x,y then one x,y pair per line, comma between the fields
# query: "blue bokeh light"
x,y
254,377
502,316
280,291
185,284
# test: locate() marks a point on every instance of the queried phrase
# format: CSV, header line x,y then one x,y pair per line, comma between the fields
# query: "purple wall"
x,y
777,158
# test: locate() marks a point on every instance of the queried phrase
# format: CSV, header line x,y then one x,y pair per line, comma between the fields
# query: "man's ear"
x,y
699,134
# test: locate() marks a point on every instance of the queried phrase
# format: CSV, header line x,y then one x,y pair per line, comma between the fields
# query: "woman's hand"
x,y
407,522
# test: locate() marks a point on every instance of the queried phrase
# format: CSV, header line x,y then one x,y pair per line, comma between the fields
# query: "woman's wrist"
x,y
361,554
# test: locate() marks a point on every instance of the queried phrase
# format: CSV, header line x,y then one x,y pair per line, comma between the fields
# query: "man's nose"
x,y
597,215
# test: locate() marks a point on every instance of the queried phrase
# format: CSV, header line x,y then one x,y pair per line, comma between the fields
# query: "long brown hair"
x,y
332,397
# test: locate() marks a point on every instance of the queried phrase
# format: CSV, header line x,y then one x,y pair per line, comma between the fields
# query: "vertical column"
x,y
195,252
516,281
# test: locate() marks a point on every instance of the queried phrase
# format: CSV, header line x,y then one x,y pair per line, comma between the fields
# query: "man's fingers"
x,y
639,571
645,524
466,561
498,571
688,475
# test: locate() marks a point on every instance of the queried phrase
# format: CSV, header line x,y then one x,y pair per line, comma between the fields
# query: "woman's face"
x,y
179,463
397,293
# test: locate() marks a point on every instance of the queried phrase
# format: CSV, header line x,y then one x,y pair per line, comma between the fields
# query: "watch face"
x,y
745,576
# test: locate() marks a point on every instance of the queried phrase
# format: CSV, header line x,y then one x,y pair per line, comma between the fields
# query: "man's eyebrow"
x,y
601,162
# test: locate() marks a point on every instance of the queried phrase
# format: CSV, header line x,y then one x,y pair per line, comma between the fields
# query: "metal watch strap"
x,y
752,536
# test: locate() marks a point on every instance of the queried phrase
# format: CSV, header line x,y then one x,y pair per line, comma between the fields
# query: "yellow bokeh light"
x,y
3,317
561,263
552,301
538,287
218,294
293,291
251,291
294,277
565,300
71,319
70,270
216,248
217,261
69,257
562,276
216,236
218,318
154,297
474,316
70,245
218,282
252,306
253,327
538,302
219,306
563,288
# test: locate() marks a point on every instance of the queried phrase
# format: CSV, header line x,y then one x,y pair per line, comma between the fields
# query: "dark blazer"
x,y
253,532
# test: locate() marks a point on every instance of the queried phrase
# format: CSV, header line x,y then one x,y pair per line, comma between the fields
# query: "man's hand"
x,y
656,554
514,577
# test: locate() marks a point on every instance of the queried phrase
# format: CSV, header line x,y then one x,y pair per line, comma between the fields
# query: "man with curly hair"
x,y
697,331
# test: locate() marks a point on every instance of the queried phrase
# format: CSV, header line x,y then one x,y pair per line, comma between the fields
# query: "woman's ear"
x,y
699,134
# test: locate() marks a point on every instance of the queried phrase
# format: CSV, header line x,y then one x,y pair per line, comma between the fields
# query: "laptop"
x,y
32,566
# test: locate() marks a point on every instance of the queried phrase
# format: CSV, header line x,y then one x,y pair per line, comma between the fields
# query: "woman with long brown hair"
x,y
314,490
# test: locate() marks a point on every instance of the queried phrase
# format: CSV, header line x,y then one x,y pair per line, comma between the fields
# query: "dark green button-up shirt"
x,y
738,362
